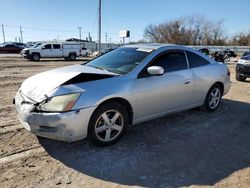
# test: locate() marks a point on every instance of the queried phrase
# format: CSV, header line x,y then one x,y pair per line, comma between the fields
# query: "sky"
x,y
60,19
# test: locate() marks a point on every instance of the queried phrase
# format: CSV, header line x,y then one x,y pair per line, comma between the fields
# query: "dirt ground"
x,y
192,148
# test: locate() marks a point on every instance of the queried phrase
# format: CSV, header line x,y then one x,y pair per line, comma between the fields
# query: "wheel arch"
x,y
121,101
219,84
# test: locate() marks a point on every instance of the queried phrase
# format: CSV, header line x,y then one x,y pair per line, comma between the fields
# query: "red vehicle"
x,y
10,48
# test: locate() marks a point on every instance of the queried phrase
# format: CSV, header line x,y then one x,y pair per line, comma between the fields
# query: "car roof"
x,y
154,46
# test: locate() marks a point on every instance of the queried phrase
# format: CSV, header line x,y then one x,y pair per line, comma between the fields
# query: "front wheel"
x,y
213,99
108,124
35,57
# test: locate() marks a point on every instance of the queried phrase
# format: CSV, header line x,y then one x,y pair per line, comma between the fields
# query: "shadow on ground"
x,y
188,148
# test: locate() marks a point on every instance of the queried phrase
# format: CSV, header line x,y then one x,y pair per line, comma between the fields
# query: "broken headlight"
x,y
60,103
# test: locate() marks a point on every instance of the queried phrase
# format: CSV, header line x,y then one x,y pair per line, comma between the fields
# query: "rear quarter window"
x,y
196,60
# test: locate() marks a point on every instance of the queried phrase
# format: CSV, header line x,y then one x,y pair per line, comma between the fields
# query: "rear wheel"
x,y
108,124
72,57
213,98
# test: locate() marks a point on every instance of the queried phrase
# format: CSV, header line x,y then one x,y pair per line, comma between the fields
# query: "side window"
x,y
84,48
172,61
196,60
56,46
47,46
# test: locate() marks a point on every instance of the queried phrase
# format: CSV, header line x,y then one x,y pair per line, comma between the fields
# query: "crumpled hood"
x,y
38,86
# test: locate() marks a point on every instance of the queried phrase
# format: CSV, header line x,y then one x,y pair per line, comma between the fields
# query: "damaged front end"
x,y
67,126
45,103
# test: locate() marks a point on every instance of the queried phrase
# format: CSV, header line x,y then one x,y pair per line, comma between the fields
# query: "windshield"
x,y
121,60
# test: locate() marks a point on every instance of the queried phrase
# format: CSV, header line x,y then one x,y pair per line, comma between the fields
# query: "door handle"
x,y
187,81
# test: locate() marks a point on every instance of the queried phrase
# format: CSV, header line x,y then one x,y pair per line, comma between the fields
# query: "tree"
x,y
189,30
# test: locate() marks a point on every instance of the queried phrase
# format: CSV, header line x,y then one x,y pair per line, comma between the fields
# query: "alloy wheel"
x,y
214,98
109,125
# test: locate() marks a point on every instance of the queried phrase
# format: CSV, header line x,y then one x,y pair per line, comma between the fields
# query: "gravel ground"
x,y
191,148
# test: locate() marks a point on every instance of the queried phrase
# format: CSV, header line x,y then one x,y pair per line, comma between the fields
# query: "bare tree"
x,y
241,39
189,30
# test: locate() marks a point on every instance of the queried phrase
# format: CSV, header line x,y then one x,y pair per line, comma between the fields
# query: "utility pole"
x,y
106,36
80,32
21,34
90,40
3,33
99,26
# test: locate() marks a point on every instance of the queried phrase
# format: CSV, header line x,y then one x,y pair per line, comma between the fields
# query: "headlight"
x,y
60,103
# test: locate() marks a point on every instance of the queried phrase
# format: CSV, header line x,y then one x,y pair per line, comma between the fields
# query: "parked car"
x,y
246,54
242,69
85,52
69,51
104,51
128,85
10,48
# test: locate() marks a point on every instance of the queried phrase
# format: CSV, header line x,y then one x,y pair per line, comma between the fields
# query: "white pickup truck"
x,y
69,51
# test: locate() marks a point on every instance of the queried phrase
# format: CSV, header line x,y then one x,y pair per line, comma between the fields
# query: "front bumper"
x,y
243,69
67,126
25,54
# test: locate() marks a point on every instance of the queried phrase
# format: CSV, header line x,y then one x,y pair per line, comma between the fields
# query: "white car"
x,y
85,52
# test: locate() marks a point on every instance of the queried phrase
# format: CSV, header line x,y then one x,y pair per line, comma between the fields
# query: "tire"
x,y
213,99
35,57
104,131
72,57
239,77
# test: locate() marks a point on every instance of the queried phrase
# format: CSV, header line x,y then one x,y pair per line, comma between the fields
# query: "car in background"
x,y
85,52
242,70
10,48
104,51
128,85
245,54
67,50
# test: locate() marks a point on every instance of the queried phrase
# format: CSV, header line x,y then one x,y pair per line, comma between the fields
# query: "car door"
x,y
156,95
46,51
57,50
201,75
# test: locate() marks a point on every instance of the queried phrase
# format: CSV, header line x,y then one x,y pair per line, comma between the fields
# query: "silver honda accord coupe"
x,y
128,85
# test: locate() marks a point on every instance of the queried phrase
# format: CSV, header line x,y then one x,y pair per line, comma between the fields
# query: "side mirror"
x,y
155,70
43,47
